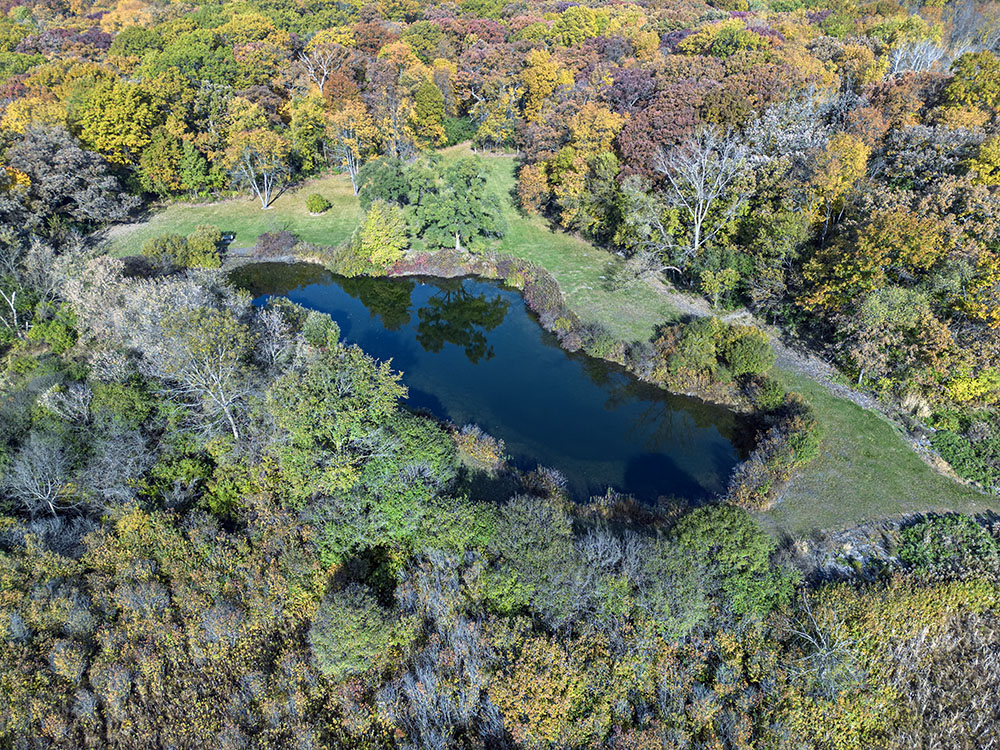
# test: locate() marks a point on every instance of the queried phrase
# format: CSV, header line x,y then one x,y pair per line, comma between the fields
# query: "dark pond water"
x,y
470,352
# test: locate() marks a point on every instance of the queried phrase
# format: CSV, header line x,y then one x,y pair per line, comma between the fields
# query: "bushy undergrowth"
x,y
970,443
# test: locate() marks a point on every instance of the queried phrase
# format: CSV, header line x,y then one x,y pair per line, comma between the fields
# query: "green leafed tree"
x,y
461,211
738,554
332,411
381,237
353,632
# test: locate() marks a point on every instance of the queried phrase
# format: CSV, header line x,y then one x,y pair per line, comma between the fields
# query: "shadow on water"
x,y
644,473
470,351
420,400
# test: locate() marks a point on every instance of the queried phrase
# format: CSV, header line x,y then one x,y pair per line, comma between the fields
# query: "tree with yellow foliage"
x,y
838,168
258,159
117,120
986,164
541,76
351,137
32,110
895,245
982,298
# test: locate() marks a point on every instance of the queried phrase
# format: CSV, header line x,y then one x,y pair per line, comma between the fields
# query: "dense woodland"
x,y
220,527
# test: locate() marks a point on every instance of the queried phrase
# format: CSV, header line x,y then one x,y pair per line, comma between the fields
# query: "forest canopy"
x,y
220,524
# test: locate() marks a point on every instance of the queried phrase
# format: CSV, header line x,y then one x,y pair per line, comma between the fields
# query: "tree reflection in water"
x,y
390,301
455,316
583,416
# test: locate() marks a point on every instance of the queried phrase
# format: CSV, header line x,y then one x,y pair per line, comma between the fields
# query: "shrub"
x,y
793,442
381,237
950,547
203,247
745,350
972,455
353,632
167,248
320,329
275,244
199,249
482,448
766,393
690,346
317,204
58,332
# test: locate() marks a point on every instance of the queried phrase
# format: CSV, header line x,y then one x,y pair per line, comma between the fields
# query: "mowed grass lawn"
x,y
248,220
865,471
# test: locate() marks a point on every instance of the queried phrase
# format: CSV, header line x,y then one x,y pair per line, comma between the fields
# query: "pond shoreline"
x,y
242,258
786,434
472,352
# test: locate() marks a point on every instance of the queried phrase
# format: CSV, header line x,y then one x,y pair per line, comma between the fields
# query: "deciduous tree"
x,y
704,177
258,160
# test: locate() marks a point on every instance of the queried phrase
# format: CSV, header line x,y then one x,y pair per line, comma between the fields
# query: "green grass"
x,y
865,471
245,217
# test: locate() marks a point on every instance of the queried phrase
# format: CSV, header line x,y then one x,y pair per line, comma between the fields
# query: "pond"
x,y
471,352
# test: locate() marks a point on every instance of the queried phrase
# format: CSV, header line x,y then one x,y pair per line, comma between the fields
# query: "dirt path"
x,y
796,358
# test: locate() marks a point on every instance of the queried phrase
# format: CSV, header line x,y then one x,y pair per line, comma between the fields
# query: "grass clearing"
x,y
577,265
248,220
865,471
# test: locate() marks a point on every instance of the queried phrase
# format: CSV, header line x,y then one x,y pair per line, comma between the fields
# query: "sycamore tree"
x,y
704,177
351,136
202,358
325,54
460,209
258,160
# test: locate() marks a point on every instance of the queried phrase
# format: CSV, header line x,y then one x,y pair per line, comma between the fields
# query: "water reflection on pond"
x,y
469,351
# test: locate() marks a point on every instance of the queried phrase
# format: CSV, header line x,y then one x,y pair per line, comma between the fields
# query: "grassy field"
x,y
865,471
245,217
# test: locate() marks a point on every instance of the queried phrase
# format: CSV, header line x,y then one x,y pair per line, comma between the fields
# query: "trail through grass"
x,y
865,471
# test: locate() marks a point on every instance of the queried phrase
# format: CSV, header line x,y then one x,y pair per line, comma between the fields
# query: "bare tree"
x,y
916,56
972,27
9,316
38,477
828,665
703,177
202,357
274,338
120,458
788,131
69,402
320,59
